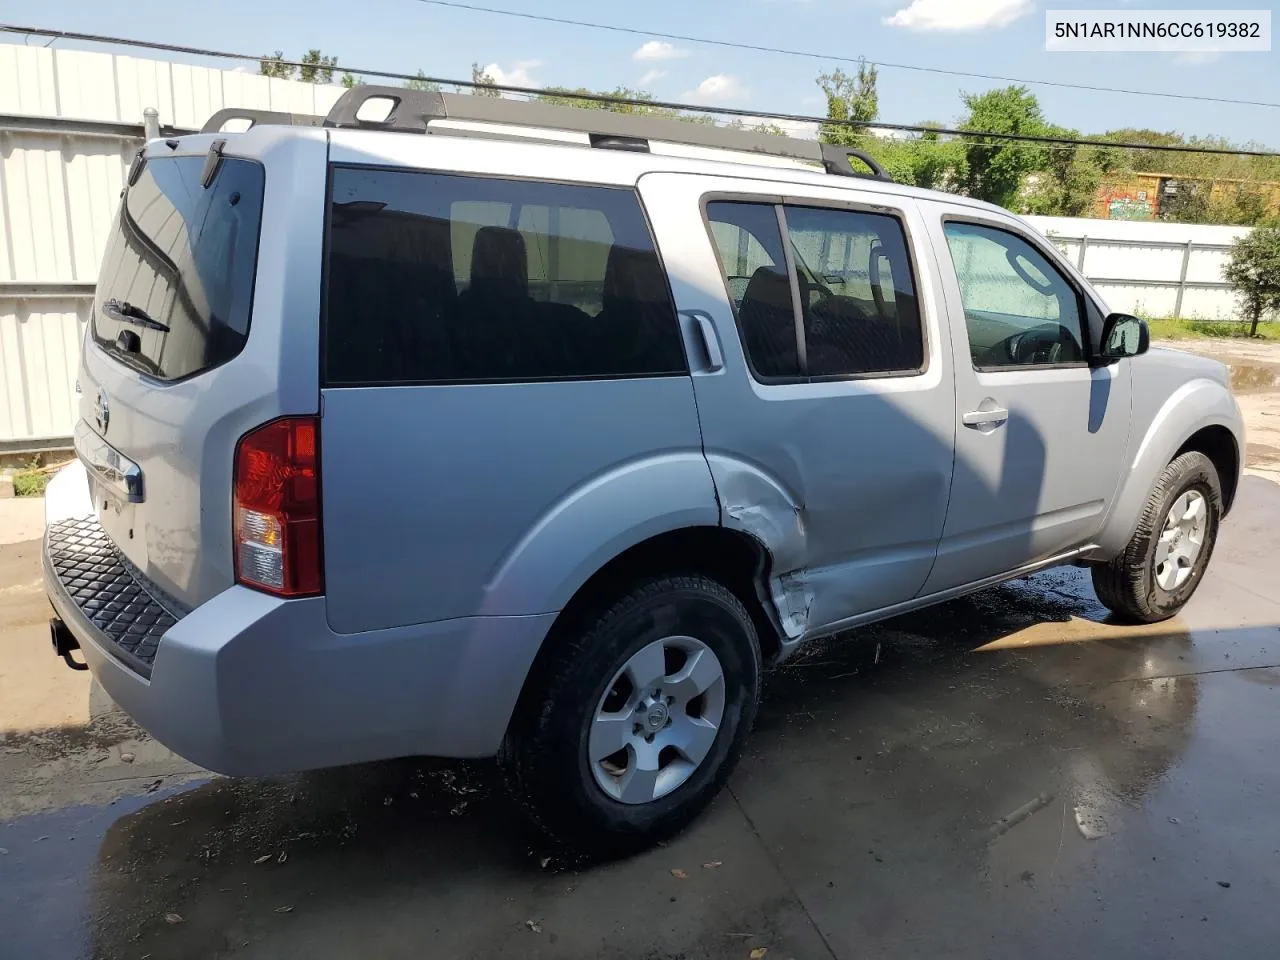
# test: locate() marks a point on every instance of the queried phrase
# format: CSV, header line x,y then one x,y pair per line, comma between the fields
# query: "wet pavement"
x,y
1003,776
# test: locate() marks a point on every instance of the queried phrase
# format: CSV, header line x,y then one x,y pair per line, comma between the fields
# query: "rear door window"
x,y
441,278
176,286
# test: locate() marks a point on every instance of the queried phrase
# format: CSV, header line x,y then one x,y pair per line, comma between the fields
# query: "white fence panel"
x,y
1155,269
58,197
39,354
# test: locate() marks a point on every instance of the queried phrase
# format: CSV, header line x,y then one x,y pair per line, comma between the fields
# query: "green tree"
x,y
995,168
1254,271
350,80
486,86
316,67
1067,184
571,97
274,66
852,101
420,82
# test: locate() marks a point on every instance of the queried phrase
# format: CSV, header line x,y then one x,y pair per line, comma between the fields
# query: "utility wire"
x,y
808,54
609,99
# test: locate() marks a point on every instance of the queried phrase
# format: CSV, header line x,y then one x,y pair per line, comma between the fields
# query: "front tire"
x,y
1164,561
632,723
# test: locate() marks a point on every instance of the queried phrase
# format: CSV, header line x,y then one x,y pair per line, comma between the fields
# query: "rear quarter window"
x,y
175,291
441,278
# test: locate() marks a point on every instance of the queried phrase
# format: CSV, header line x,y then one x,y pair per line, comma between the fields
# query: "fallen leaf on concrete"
x,y
263,859
544,862
284,909
1225,884
282,858
758,953
172,918
712,864
155,786
533,925
678,873
126,758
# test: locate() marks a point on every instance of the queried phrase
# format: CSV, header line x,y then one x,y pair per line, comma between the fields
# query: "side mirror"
x,y
1123,336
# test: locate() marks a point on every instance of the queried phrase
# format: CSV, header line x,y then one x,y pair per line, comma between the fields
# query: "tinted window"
x,y
1018,308
856,291
176,285
434,277
748,242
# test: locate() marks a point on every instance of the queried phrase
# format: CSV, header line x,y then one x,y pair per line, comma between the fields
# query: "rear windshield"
x,y
176,285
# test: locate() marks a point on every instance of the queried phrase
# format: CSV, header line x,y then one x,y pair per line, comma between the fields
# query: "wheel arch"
x,y
1200,415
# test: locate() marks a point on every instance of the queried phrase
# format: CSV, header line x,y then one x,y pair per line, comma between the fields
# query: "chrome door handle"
x,y
707,334
986,418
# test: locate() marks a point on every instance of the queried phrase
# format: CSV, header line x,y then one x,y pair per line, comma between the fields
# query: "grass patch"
x,y
30,483
1170,328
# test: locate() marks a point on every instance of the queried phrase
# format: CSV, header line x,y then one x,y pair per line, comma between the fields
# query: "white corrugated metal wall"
x,y
58,194
59,190
1153,269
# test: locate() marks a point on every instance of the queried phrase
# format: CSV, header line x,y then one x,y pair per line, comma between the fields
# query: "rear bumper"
x,y
249,684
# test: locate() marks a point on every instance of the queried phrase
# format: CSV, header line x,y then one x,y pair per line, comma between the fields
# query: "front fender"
x,y
595,523
1194,405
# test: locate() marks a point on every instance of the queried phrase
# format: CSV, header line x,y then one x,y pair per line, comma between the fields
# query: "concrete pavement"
x,y
1003,776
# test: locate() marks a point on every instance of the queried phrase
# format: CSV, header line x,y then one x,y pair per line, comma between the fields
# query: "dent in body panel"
x,y
756,504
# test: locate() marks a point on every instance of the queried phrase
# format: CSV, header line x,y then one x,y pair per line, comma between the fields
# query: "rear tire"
x,y
630,678
1163,563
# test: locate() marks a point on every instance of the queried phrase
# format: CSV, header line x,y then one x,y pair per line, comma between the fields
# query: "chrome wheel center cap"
x,y
656,718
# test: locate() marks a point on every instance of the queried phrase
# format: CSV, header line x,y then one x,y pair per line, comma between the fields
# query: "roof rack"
x,y
413,111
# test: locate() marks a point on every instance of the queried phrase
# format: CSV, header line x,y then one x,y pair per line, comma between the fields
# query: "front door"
x,y
1041,435
828,418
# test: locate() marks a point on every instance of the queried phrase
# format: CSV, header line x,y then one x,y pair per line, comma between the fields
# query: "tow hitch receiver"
x,y
64,642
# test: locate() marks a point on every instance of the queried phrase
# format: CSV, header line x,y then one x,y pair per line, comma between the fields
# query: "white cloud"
x,y
652,76
959,14
720,87
659,50
517,76
802,129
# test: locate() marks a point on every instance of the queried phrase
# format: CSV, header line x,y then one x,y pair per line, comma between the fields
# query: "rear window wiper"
x,y
125,312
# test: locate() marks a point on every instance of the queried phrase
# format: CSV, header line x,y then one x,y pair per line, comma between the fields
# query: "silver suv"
x,y
541,436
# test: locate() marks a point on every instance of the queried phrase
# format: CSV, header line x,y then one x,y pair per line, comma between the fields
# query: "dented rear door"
x,y
842,472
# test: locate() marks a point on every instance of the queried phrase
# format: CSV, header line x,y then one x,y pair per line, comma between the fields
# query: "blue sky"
x,y
987,36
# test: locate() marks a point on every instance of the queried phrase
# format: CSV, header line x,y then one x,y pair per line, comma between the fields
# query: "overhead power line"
x,y
837,58
970,135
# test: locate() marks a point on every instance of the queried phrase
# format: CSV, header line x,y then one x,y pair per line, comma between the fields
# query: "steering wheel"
x,y
1042,344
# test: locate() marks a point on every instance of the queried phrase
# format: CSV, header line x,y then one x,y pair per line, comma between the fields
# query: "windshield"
x,y
176,285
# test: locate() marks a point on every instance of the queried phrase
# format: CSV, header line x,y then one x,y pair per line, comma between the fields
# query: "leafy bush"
x,y
1254,271
30,483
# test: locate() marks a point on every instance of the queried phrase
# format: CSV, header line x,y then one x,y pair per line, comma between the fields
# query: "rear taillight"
x,y
277,508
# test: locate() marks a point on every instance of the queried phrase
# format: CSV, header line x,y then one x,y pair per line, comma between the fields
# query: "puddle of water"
x,y
1245,376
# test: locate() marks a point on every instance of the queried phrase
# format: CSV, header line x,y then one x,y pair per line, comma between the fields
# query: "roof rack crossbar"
x,y
411,111
273,117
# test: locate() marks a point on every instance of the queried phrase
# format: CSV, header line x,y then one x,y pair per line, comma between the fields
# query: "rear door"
x,y
1041,435
829,425
203,322
494,345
